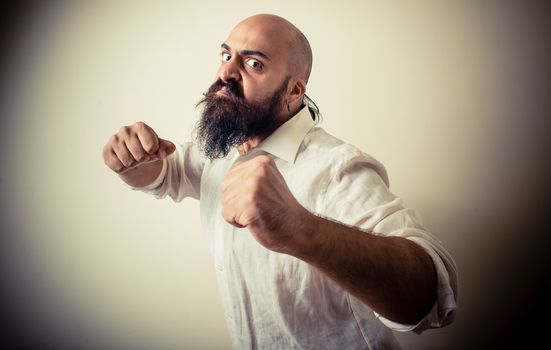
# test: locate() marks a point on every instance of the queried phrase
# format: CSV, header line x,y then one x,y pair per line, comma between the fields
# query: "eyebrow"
x,y
247,52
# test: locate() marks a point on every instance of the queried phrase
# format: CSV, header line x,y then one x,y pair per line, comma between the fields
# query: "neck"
x,y
252,142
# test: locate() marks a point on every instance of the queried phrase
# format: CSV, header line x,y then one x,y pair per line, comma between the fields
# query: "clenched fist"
x,y
255,195
135,153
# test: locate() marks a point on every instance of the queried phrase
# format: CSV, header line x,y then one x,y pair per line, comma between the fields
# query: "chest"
x,y
234,250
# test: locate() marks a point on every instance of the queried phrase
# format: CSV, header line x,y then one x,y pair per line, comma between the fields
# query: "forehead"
x,y
260,37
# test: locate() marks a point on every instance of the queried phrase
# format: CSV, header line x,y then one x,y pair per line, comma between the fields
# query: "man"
x,y
311,249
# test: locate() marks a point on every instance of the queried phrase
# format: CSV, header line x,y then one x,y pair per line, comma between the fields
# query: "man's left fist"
x,y
255,195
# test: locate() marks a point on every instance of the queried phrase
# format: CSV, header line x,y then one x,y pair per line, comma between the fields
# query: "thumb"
x,y
165,148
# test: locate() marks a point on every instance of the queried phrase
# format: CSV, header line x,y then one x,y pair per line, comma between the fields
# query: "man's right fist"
x,y
135,145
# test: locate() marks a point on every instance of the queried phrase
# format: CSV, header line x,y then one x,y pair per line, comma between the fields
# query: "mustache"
x,y
232,88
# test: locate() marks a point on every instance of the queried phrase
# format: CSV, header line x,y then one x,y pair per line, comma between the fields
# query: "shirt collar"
x,y
285,141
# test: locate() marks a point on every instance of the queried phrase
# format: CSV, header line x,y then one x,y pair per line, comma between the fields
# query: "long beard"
x,y
228,121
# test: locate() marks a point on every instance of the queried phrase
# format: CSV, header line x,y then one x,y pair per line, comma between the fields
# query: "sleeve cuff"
x,y
399,327
442,312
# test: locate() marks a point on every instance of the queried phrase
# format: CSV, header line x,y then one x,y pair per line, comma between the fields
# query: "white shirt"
x,y
276,301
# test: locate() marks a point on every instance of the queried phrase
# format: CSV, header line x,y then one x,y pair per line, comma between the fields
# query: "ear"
x,y
295,91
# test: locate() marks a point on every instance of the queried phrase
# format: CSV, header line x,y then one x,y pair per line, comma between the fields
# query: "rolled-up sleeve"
x,y
180,175
358,195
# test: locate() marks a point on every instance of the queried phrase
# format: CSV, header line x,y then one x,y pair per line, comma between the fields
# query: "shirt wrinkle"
x,y
366,338
276,301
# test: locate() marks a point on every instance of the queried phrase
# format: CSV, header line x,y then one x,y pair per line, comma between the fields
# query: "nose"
x,y
229,70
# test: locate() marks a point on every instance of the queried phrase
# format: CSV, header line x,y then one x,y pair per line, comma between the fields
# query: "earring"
x,y
288,108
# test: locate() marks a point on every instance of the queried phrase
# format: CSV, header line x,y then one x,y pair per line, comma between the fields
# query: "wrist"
x,y
307,235
144,174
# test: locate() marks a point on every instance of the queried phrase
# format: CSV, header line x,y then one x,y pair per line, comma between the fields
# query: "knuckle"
x,y
149,147
115,166
142,128
227,215
148,141
113,139
106,152
125,130
251,198
255,182
259,175
127,160
140,125
136,148
142,158
130,162
109,161
120,145
119,169
261,171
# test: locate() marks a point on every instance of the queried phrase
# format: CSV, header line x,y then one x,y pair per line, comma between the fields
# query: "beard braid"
x,y
228,121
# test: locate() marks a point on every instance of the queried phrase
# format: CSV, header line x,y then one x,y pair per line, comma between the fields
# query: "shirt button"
x,y
219,267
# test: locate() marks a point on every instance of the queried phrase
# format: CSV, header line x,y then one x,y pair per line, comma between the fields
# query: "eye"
x,y
226,56
254,63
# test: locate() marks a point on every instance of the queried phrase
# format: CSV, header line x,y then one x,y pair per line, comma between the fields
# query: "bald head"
x,y
282,33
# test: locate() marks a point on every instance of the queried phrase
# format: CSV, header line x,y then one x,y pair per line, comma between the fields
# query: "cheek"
x,y
257,91
252,91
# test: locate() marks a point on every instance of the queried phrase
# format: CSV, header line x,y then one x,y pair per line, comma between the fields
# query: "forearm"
x,y
143,174
393,275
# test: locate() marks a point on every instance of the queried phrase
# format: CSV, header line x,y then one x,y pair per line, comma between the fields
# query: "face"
x,y
248,96
255,56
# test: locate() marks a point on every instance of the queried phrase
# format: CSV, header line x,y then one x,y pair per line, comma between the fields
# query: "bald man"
x,y
311,249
